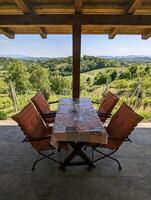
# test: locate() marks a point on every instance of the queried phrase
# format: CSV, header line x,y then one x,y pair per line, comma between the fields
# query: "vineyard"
x,y
131,82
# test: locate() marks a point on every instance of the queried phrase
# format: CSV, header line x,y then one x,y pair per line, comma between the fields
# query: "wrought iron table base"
x,y
77,150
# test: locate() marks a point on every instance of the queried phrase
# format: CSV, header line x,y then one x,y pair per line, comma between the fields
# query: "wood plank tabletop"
x,y
76,120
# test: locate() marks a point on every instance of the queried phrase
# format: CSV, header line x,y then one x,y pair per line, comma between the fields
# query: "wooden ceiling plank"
x,y
133,6
113,32
42,31
7,32
78,6
144,9
24,6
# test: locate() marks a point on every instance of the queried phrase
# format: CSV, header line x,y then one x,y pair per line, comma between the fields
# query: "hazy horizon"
x,y
61,46
24,56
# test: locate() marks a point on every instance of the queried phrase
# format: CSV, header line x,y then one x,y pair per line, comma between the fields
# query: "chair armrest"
x,y
38,138
96,102
101,114
53,102
49,114
117,139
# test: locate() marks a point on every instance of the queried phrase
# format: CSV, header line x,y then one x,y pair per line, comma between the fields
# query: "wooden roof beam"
x,y
42,31
113,32
146,34
24,6
7,32
69,19
78,6
133,6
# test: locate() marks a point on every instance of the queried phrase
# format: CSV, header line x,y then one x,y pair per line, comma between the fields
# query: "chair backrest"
x,y
30,121
107,104
41,103
123,123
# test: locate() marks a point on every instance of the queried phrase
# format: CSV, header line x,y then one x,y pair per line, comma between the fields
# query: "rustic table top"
x,y
76,120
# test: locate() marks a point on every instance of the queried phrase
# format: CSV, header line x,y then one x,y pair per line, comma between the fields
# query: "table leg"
x,y
76,151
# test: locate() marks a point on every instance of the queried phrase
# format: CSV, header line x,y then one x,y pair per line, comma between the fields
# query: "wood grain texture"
x,y
112,33
42,31
146,34
128,16
133,6
78,6
24,6
78,121
76,39
7,32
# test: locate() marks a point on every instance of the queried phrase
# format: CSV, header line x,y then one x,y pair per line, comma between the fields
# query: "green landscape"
x,y
128,77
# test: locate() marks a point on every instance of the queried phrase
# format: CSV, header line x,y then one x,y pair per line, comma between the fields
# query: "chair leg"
x,y
92,153
24,140
128,139
44,156
108,156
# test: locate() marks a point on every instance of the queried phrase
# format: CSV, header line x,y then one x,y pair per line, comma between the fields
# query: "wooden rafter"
x,y
113,32
146,34
42,31
76,61
78,6
133,6
7,32
65,19
24,6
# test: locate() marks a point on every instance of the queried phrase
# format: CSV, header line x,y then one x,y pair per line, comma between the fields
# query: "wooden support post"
x,y
76,61
146,34
7,32
13,96
113,33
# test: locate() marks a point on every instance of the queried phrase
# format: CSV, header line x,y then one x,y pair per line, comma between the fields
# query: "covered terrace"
x,y
105,182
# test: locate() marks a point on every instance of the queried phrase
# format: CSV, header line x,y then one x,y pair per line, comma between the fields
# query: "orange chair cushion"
x,y
41,103
123,123
107,104
31,122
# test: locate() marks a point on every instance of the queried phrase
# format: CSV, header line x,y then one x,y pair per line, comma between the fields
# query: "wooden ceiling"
x,y
43,17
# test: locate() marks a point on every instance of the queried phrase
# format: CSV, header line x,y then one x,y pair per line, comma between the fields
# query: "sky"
x,y
61,46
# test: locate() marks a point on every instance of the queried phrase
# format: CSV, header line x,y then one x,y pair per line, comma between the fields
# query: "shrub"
x,y
3,115
100,78
119,84
60,85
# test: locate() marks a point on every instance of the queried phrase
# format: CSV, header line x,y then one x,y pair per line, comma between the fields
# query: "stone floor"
x,y
105,182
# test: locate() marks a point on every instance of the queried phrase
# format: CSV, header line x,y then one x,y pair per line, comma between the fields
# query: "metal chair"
x,y
43,108
121,125
36,132
106,106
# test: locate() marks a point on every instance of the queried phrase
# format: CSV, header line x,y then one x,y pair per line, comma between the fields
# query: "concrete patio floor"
x,y
105,182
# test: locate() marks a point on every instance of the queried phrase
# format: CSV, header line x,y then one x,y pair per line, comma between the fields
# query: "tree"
x,y
124,74
113,75
100,78
40,79
19,75
88,81
60,85
147,70
133,69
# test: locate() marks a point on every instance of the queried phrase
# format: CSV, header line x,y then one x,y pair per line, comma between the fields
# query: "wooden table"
x,y
77,123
